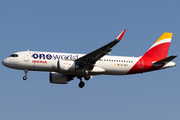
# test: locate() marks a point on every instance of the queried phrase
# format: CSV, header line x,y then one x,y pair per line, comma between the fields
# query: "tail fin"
x,y
155,57
159,49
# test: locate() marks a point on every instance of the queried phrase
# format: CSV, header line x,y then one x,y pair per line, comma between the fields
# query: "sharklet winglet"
x,y
121,35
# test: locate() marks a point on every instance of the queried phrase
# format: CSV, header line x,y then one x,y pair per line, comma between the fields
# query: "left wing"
x,y
87,62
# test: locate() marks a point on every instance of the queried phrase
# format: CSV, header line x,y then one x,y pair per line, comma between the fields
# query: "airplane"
x,y
64,67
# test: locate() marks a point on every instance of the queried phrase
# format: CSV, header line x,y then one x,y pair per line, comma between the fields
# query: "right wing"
x,y
87,61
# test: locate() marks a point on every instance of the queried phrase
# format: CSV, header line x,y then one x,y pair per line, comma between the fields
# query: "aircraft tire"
x,y
87,77
81,84
24,78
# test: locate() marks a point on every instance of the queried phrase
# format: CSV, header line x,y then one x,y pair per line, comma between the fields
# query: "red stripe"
x,y
158,52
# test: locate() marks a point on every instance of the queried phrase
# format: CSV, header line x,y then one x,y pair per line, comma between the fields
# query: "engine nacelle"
x,y
59,78
63,65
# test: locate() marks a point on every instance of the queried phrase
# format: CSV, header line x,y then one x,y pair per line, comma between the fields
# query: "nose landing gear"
x,y
25,72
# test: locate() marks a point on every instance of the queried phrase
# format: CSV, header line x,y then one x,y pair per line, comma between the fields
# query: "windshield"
x,y
14,55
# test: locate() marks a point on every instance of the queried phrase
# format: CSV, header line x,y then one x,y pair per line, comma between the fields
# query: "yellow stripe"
x,y
164,36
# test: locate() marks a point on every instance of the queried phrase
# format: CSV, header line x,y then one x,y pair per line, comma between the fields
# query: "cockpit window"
x,y
14,55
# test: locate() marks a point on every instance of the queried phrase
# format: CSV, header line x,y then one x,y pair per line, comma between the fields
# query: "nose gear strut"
x,y
25,72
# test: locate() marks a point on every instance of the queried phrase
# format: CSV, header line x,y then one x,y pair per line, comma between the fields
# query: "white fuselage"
x,y
48,61
44,61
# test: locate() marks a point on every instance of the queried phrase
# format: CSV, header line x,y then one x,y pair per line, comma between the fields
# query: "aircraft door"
x,y
26,56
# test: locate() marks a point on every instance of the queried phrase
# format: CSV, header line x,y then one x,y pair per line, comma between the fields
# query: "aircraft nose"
x,y
5,62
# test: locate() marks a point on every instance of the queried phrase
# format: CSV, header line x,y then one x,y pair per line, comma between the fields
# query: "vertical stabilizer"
x,y
159,49
157,52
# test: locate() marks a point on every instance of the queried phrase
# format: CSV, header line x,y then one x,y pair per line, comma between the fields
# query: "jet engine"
x,y
58,78
65,66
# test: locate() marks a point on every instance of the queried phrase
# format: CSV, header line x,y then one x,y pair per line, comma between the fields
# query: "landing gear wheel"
x,y
25,72
87,77
81,84
24,78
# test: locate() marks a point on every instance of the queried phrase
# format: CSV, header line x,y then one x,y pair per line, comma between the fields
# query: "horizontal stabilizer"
x,y
165,61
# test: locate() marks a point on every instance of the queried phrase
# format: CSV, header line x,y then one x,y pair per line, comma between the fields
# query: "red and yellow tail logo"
x,y
156,52
159,49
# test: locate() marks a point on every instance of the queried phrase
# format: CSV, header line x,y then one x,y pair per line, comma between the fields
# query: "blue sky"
x,y
81,27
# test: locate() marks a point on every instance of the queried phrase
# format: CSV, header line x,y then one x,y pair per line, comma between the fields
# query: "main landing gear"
x,y
25,72
87,77
81,83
